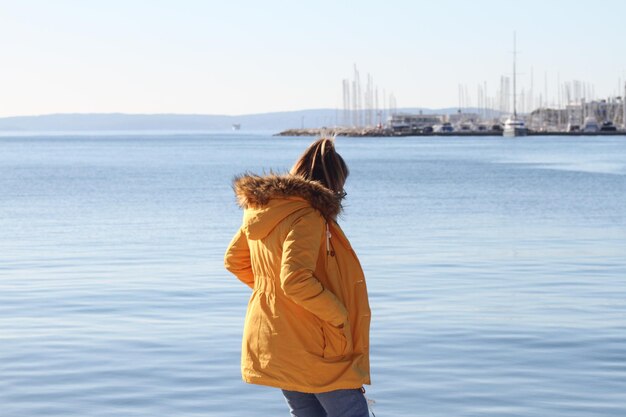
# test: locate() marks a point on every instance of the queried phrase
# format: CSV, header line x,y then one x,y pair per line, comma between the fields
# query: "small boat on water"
x,y
236,126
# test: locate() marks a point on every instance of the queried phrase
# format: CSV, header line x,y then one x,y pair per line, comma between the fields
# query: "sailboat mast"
x,y
514,76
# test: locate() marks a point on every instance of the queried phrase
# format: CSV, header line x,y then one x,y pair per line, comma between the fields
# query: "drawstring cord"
x,y
328,236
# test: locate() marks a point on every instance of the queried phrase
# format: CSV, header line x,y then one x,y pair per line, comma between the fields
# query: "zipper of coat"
x,y
328,251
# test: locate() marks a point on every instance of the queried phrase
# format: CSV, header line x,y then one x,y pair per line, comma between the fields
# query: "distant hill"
x,y
276,121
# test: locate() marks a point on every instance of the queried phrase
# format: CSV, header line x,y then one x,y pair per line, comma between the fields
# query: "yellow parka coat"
x,y
307,323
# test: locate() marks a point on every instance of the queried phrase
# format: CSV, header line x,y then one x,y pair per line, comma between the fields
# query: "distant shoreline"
x,y
273,121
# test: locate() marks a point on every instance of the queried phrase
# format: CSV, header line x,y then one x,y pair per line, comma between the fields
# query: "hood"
x,y
269,199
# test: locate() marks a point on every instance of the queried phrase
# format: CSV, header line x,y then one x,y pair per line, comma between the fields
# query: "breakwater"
x,y
378,132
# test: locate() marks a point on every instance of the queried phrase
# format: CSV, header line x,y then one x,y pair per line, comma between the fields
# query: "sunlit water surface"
x,y
496,269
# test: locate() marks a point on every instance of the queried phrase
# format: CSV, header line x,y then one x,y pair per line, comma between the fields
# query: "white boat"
x,y
514,126
591,125
443,128
236,126
571,126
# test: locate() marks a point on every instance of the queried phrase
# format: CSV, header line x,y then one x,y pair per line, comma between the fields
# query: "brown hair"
x,y
321,163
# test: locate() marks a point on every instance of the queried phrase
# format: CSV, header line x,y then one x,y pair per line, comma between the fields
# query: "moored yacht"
x,y
590,125
608,126
571,125
514,126
443,128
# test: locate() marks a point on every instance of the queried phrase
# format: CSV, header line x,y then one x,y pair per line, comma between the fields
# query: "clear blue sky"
x,y
236,57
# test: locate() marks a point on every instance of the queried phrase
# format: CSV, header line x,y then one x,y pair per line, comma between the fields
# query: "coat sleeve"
x,y
300,251
237,259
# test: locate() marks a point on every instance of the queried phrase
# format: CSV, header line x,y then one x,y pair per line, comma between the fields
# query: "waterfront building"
x,y
404,122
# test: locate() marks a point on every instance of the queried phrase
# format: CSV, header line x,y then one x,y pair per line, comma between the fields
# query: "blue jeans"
x,y
340,403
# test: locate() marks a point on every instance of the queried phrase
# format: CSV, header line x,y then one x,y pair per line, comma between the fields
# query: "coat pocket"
x,y
337,341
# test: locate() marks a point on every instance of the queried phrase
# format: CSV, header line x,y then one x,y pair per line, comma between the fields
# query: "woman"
x,y
307,325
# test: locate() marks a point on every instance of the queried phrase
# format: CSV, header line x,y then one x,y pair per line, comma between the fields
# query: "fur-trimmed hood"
x,y
255,191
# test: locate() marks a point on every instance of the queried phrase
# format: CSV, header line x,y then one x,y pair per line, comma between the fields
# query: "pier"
x,y
382,132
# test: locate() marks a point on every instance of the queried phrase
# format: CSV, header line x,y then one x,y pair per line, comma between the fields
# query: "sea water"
x,y
496,270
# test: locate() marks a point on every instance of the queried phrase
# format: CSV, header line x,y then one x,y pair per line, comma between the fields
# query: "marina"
x,y
572,109
578,118
601,117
